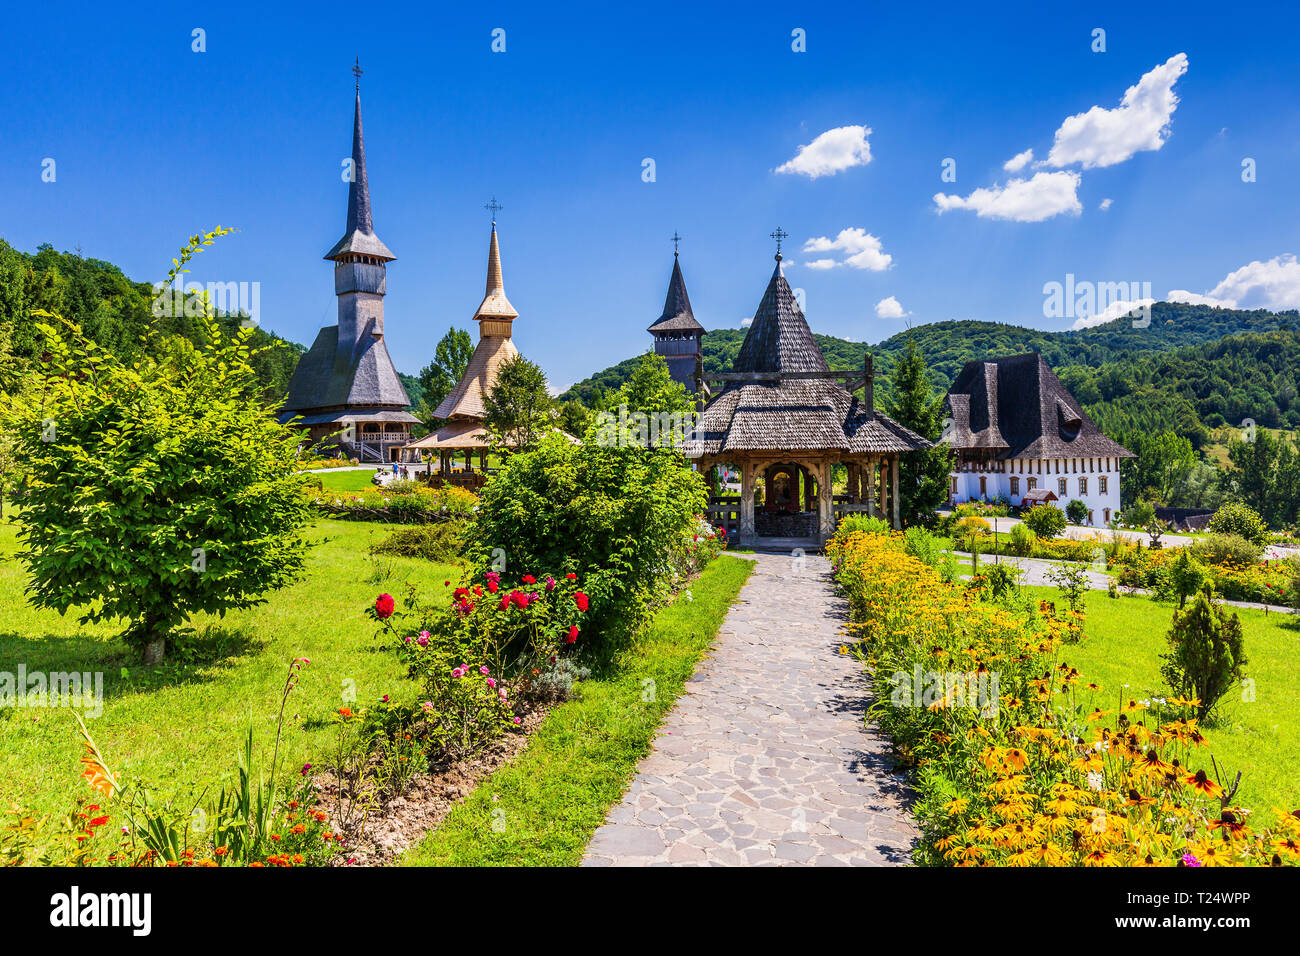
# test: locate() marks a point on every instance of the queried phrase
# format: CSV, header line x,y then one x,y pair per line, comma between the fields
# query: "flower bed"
x,y
419,506
1017,759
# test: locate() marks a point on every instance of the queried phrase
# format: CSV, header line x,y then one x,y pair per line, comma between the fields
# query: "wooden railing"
x,y
724,511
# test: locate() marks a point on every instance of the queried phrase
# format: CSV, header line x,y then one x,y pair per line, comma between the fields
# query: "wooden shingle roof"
x,y
359,234
794,415
677,315
1017,407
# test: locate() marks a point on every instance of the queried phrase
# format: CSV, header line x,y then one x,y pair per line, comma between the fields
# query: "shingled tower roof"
x,y
347,374
791,415
495,316
779,339
677,315
359,236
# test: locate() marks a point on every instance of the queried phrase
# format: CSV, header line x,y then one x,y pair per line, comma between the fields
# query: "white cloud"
x,y
1112,312
1105,203
1195,298
861,250
1022,200
890,308
1018,161
1274,284
832,152
746,323
1102,137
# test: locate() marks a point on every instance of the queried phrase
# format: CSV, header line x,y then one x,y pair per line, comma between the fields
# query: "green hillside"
x,y
110,308
947,346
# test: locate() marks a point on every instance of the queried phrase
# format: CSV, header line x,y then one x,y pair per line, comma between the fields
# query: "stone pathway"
x,y
764,759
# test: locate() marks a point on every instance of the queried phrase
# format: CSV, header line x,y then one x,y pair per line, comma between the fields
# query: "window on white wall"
x,y
1101,485
1061,487
1083,486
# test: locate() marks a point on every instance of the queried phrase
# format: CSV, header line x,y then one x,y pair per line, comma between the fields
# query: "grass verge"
x,y
542,808
1125,637
177,726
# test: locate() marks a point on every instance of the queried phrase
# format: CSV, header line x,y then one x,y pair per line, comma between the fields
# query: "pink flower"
x,y
384,605
306,769
518,721
423,639
483,669
491,682
550,585
458,672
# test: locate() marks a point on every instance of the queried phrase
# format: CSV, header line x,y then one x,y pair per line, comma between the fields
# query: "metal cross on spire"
x,y
357,71
778,236
676,239
494,206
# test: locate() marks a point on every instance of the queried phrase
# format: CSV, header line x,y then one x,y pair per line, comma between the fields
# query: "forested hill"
x,y
110,308
947,346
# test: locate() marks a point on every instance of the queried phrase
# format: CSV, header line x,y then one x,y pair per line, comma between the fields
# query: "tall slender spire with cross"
x,y
494,206
359,234
676,239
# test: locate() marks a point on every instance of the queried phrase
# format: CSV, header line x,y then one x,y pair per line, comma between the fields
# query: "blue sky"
x,y
153,142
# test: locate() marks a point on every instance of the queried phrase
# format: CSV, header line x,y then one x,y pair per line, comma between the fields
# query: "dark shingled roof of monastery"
x,y
677,315
800,415
1016,407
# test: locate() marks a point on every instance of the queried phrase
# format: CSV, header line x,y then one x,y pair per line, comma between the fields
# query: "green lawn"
x,y
1261,738
178,725
543,807
346,480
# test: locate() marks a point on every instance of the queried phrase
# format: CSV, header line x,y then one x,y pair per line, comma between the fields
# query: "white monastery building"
x,y
1018,434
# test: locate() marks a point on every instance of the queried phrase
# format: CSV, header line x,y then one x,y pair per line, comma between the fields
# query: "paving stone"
x,y
765,758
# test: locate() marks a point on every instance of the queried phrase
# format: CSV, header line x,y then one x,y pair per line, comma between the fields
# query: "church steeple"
x,y
359,237
678,336
495,313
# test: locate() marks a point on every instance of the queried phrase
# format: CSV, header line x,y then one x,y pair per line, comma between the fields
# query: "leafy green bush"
x,y
442,541
1186,576
1022,540
1045,520
159,489
1206,654
922,545
1225,549
611,515
868,523
1239,519
1076,511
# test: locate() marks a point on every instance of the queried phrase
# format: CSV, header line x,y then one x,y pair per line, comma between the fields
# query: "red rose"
x,y
529,579
460,593
581,600
492,586
384,606
505,601
570,576
520,598
573,635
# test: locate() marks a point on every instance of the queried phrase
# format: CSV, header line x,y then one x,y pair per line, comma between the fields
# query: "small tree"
x,y
1076,511
923,476
1045,521
1239,519
1206,653
1139,514
519,408
1072,579
156,490
1187,576
439,377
